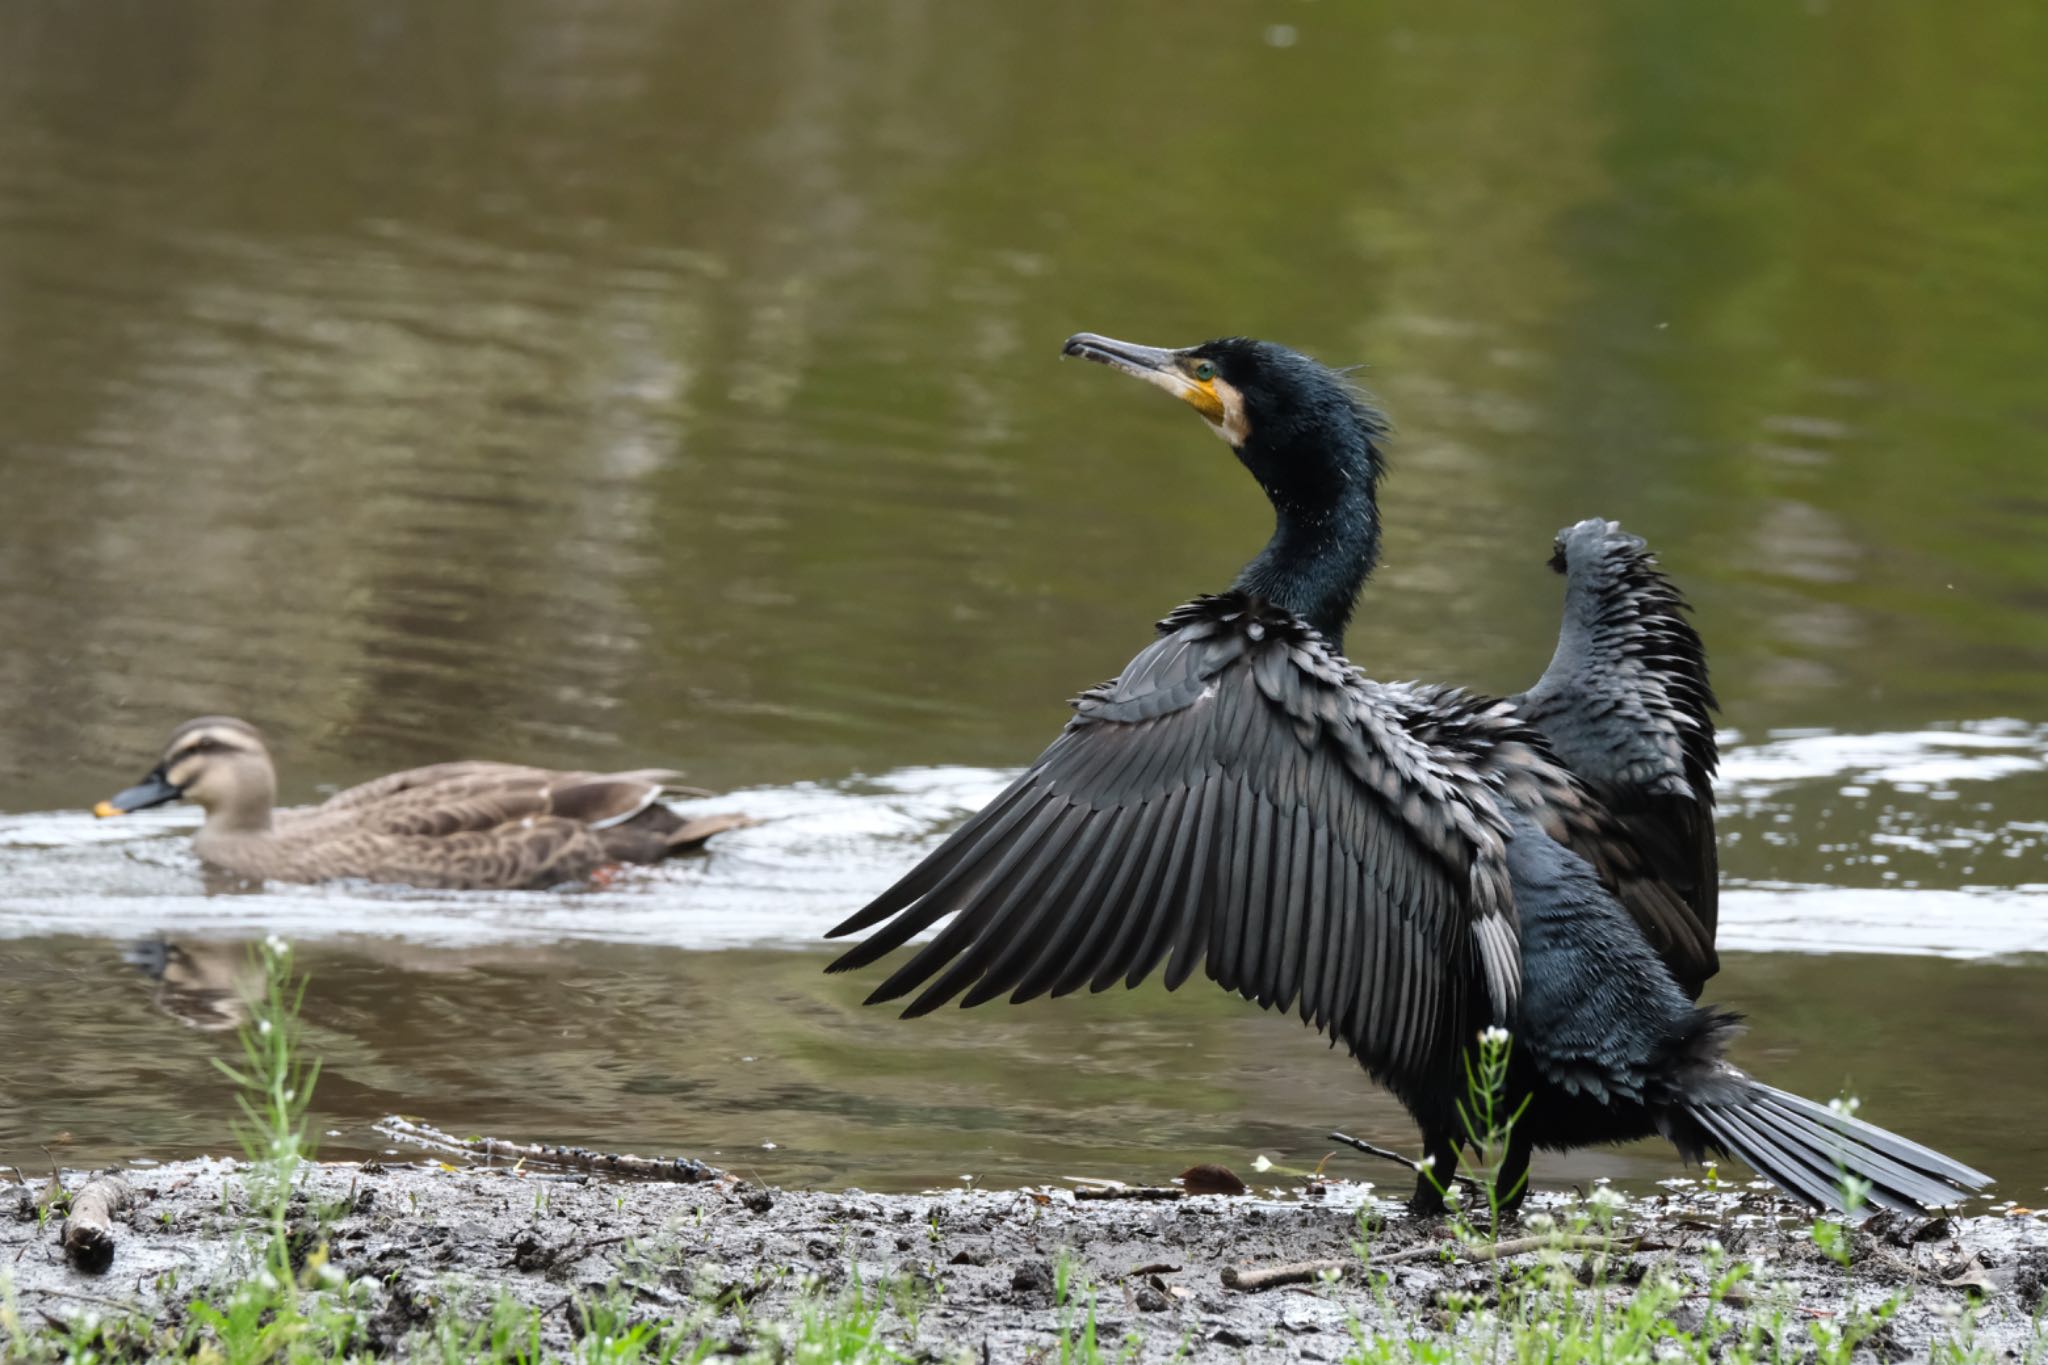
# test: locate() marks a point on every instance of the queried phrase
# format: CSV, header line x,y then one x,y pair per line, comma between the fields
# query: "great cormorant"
x,y
1407,864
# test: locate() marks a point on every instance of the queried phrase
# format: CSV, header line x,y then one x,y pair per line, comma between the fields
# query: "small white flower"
x,y
1259,1163
1844,1106
1495,1036
1427,1163
277,946
263,1026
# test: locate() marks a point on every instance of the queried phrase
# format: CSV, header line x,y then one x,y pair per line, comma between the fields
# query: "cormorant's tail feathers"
x,y
1808,1149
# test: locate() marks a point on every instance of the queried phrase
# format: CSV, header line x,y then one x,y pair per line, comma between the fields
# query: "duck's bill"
x,y
153,790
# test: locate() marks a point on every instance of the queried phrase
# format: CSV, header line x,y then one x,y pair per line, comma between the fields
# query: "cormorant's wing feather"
x,y
1626,704
1239,799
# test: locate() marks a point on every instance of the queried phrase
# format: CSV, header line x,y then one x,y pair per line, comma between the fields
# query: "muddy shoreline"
x,y
975,1273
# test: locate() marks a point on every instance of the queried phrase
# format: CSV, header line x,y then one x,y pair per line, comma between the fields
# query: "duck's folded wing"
x,y
540,851
435,803
1238,798
412,783
1626,704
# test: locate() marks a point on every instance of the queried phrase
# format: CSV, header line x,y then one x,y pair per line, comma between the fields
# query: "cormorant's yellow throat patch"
x,y
1216,398
1222,406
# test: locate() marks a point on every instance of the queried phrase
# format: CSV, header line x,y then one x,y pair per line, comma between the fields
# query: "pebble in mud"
x,y
531,1250
1031,1283
2030,1279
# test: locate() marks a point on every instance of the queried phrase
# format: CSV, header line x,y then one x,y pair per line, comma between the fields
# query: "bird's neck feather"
x,y
1319,556
246,806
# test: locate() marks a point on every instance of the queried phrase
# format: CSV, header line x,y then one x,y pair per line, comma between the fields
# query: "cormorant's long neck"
x,y
1319,556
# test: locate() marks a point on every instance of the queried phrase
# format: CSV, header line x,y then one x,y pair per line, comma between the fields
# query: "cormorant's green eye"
x,y
1204,371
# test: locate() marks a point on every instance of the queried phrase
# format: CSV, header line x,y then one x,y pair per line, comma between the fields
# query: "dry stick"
x,y
89,1230
1494,1251
1294,1272
1389,1154
679,1169
1129,1192
50,1292
1251,1281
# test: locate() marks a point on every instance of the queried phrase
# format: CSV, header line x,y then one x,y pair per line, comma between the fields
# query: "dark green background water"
x,y
614,383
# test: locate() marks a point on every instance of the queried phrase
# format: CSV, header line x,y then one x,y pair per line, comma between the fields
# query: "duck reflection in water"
x,y
206,986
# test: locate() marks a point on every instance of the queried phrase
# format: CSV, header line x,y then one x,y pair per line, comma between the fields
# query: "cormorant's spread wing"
x,y
1238,797
1627,706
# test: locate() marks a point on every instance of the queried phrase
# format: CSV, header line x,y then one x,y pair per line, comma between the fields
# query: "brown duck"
x,y
456,826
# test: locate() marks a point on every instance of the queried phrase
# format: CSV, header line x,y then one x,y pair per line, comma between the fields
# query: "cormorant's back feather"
x,y
1627,705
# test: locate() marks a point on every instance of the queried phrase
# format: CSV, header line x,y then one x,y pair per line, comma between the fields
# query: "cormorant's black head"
x,y
1301,428
1309,437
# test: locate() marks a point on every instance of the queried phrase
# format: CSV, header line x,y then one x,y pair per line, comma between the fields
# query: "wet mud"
x,y
1004,1274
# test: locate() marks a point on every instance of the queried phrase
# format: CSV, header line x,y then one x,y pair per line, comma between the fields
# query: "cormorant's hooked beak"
x,y
153,790
1168,370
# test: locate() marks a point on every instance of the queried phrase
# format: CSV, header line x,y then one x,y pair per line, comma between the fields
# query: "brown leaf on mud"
x,y
1209,1178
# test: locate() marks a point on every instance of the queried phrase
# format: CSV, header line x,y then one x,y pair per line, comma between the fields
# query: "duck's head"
x,y
216,762
1310,438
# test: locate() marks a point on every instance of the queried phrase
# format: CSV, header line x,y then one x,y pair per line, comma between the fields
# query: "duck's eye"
x,y
1204,371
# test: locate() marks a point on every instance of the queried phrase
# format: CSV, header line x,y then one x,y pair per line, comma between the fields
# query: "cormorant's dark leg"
x,y
1512,1181
1435,1178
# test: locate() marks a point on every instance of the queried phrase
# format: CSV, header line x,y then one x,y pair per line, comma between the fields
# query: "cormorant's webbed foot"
x,y
1427,1201
1511,1182
1433,1175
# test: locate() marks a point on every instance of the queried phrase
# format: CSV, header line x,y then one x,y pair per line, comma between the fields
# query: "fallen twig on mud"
x,y
99,1300
1253,1279
1129,1192
680,1170
89,1229
1494,1251
1389,1154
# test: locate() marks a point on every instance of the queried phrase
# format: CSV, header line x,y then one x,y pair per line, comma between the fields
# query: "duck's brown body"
x,y
469,825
